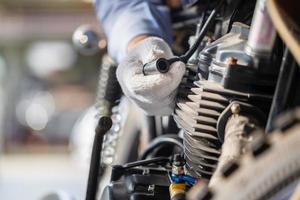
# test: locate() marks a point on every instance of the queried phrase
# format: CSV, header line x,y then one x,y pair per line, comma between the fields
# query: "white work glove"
x,y
155,93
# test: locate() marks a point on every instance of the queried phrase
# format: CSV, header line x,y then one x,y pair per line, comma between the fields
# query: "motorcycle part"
x,y
143,183
177,191
85,40
160,141
232,42
243,109
164,64
108,94
198,115
262,33
283,89
237,139
198,118
111,138
178,163
276,174
103,126
161,65
140,181
231,76
109,90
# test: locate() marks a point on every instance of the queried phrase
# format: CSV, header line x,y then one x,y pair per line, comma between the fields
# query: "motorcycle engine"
x,y
225,73
221,73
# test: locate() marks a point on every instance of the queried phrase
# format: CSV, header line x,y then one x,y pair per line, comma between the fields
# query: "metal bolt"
x,y
231,61
178,164
151,188
146,171
235,108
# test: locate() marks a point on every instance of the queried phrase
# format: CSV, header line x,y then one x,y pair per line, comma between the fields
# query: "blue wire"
x,y
184,178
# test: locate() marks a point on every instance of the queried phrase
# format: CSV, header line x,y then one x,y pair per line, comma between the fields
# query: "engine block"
x,y
225,74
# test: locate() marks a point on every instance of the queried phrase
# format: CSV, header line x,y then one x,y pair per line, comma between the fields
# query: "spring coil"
x,y
109,90
111,138
108,94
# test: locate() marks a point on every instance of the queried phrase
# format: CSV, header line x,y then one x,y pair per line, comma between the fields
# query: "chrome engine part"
x,y
231,44
111,138
198,117
201,102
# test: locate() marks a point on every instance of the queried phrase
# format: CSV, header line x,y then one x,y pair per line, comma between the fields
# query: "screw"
x,y
231,61
151,188
146,171
235,108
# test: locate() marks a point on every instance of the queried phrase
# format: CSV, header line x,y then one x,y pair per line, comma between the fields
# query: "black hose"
x,y
202,33
103,126
283,89
162,63
151,127
156,160
160,141
118,170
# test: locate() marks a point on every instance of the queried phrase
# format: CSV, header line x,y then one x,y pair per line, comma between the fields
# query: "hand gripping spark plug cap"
x,y
155,92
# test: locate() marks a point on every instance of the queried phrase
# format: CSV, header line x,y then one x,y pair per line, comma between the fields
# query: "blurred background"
x,y
46,87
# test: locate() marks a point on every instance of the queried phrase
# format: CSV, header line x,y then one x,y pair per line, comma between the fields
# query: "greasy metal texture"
x,y
251,181
199,106
236,142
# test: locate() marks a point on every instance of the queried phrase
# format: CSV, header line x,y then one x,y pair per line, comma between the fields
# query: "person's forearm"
x,y
137,39
126,22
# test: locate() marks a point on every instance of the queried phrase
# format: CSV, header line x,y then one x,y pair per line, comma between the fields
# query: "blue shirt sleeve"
x,y
123,20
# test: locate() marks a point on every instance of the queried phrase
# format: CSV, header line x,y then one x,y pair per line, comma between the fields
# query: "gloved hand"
x,y
156,93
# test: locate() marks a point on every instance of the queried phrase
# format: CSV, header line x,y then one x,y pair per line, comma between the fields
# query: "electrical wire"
x,y
203,32
161,141
157,160
184,58
162,65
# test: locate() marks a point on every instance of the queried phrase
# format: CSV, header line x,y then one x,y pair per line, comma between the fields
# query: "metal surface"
x,y
251,180
283,89
198,113
262,33
198,117
109,90
236,142
161,65
230,45
85,39
111,138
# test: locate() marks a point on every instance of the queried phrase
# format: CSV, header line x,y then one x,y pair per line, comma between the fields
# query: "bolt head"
x,y
151,188
231,61
235,108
